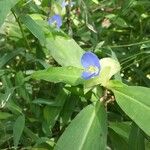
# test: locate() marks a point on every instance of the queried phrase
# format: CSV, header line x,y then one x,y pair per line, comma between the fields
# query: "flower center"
x,y
92,69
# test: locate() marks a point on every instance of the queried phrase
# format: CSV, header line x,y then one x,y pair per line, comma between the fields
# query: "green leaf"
x,y
134,101
120,22
5,7
5,98
34,28
117,141
136,139
65,51
69,75
18,129
121,128
21,90
51,114
88,131
5,115
45,102
69,108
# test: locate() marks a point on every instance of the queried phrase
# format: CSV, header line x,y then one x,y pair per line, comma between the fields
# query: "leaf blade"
x,y
34,28
134,101
69,75
5,6
65,51
18,129
88,131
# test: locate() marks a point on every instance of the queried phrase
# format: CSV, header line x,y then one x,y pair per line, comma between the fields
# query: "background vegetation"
x,y
46,114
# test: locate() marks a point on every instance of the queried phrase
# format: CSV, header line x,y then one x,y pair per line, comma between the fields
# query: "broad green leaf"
x,y
88,131
69,75
65,51
5,115
134,101
18,129
136,139
5,7
34,28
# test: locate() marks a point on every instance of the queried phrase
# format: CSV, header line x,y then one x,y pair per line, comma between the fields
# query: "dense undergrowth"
x,y
46,102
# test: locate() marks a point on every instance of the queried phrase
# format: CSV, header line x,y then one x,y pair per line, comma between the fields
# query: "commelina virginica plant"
x,y
55,94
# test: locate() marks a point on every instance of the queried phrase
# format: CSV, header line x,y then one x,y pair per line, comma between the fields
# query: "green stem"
x,y
129,45
22,32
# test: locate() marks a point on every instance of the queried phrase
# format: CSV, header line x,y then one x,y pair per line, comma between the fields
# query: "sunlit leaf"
x,y
134,101
69,75
65,51
88,131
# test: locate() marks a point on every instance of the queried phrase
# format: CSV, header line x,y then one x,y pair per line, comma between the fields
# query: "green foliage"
x,y
69,75
45,104
5,7
65,51
134,101
33,27
87,131
18,129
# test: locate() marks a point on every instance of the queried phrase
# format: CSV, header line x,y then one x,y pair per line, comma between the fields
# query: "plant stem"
x,y
130,45
22,32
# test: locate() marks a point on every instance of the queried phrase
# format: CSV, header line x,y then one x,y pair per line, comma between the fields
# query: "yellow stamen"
x,y
92,69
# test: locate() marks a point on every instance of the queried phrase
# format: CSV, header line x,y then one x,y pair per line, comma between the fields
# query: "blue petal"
x,y
90,59
56,18
87,75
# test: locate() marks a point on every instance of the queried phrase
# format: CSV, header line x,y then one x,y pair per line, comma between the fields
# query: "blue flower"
x,y
91,65
55,19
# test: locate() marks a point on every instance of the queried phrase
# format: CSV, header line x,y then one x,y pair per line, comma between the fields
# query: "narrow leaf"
x,y
33,27
18,129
